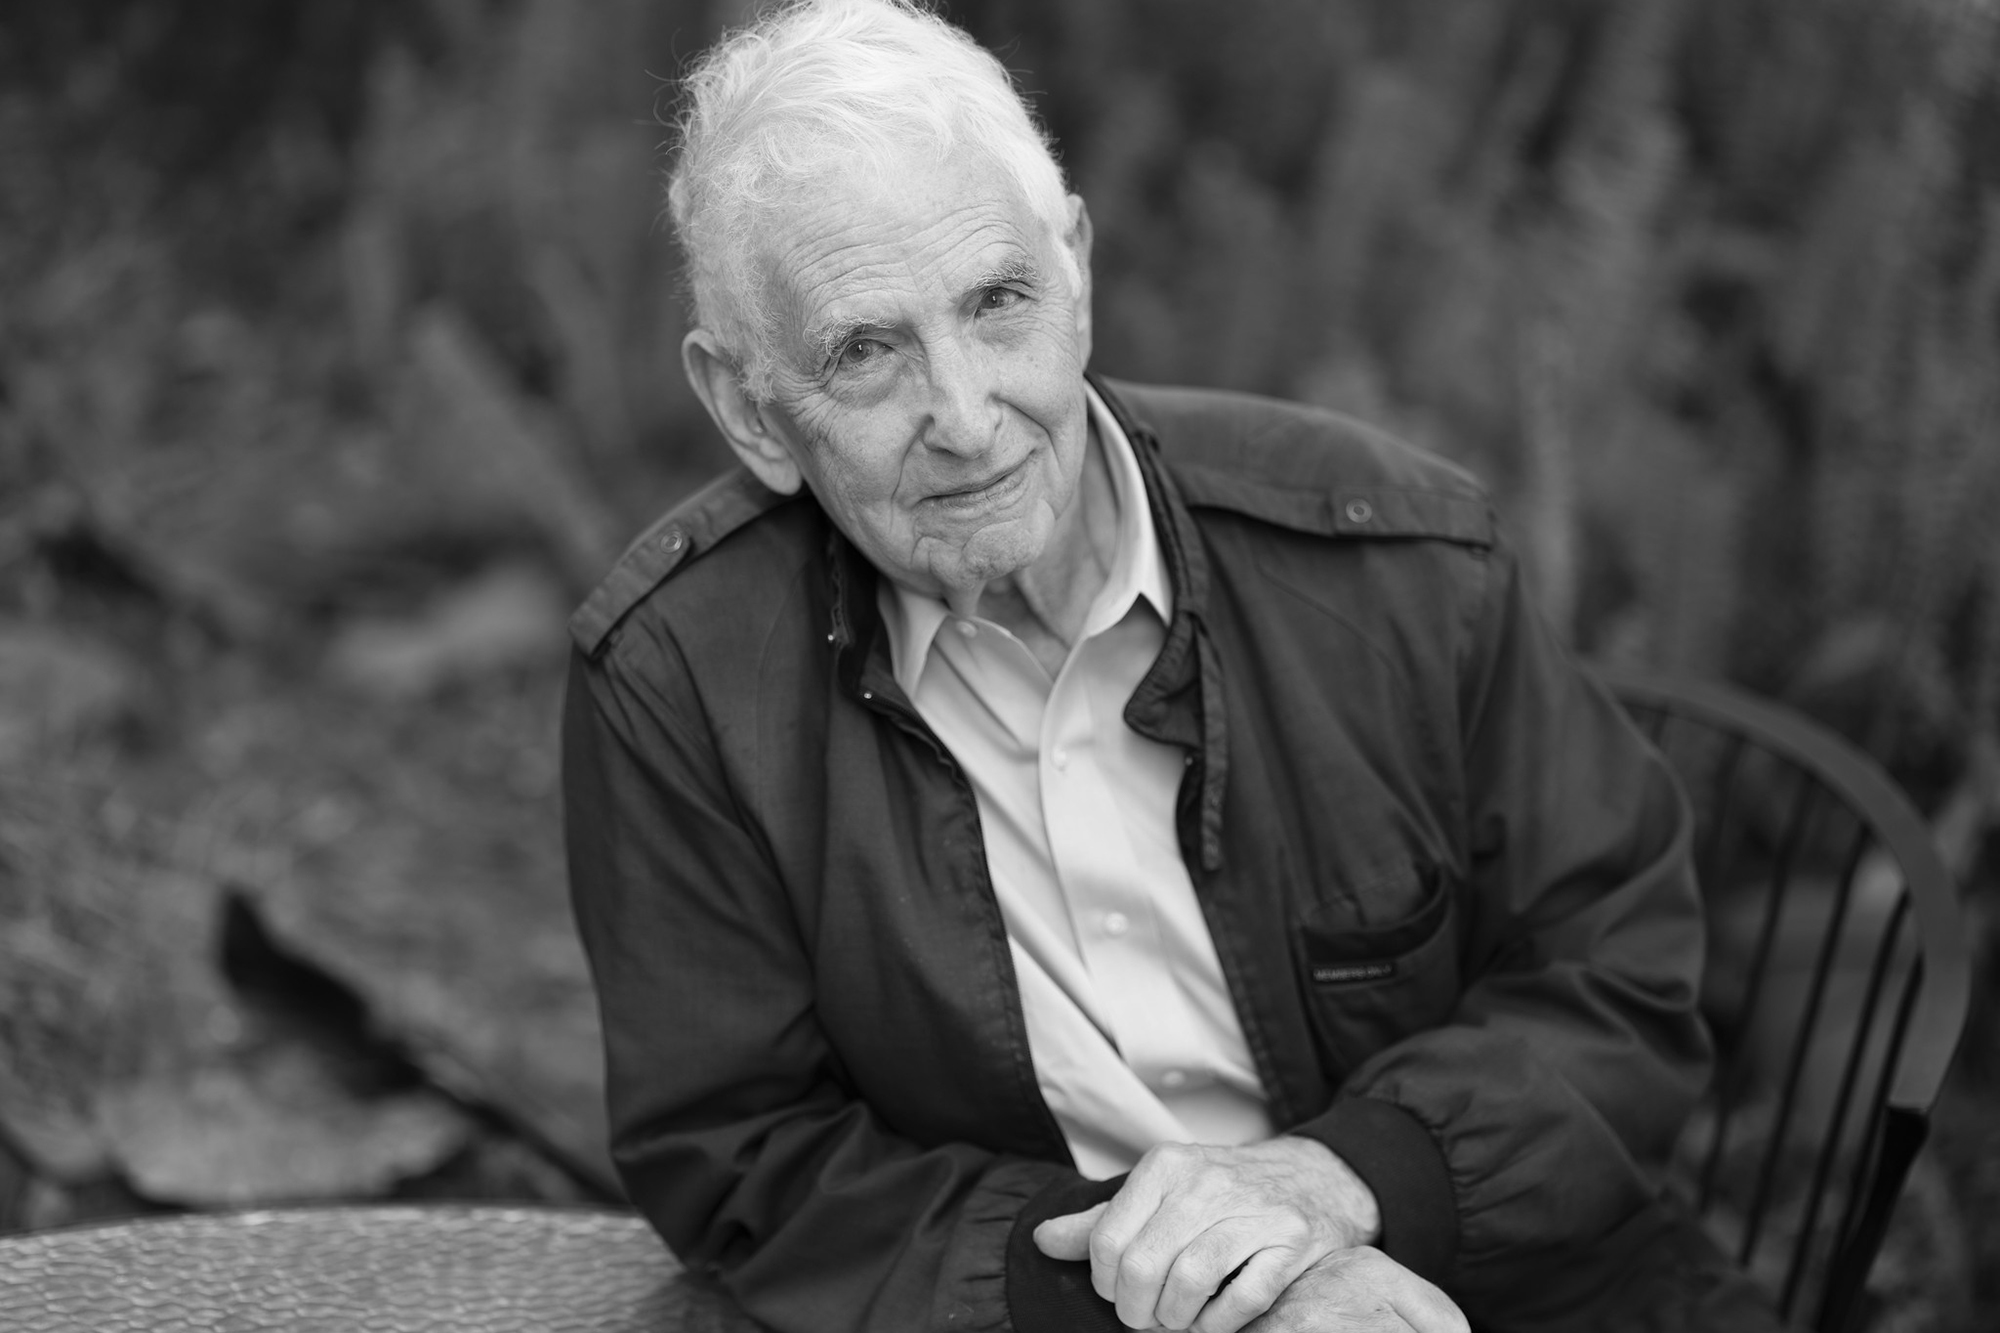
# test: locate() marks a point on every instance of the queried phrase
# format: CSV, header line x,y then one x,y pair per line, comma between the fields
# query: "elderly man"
x,y
1065,855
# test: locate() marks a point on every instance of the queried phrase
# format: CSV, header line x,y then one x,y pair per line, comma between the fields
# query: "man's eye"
x,y
862,351
999,298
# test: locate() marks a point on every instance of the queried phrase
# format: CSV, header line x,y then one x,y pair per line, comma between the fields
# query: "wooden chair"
x,y
1837,986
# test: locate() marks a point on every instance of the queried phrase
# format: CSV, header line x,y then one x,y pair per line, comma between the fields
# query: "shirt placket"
x,y
1117,928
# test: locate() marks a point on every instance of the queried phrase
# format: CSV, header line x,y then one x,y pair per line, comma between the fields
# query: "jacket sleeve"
x,y
730,1124
1507,1143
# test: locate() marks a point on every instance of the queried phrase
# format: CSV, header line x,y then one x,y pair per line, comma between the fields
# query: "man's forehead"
x,y
854,245
885,281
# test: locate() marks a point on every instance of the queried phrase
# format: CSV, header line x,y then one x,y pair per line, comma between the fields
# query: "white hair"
x,y
816,87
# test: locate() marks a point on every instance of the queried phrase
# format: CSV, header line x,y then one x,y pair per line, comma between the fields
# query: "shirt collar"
x,y
1138,569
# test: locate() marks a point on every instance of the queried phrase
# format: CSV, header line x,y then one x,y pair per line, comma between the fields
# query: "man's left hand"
x,y
1190,1216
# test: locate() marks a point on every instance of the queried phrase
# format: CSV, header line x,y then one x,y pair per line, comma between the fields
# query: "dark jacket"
x,y
1448,884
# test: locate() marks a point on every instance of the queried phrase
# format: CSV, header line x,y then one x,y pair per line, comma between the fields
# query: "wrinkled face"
x,y
929,372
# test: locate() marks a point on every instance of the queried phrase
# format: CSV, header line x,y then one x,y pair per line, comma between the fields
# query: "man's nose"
x,y
964,409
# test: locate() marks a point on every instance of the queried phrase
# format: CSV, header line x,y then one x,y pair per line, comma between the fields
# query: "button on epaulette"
x,y
640,570
1412,511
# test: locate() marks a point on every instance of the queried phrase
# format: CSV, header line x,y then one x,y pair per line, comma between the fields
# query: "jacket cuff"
x,y
1394,1153
1047,1295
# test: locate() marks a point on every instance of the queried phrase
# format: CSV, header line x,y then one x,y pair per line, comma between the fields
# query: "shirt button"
x,y
1116,924
1060,759
968,629
1173,1078
673,540
1359,511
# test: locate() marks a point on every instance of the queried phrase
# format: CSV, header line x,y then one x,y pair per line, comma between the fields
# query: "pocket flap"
x,y
1340,950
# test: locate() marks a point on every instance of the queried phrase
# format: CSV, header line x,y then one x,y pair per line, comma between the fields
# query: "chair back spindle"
x,y
1836,985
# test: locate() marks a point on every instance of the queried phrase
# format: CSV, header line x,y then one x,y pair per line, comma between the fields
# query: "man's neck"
x,y
1046,604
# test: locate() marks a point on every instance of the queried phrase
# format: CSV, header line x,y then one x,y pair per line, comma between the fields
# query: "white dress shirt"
x,y
1134,1037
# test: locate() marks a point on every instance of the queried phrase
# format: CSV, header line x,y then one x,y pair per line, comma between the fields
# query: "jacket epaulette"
x,y
684,533
1304,468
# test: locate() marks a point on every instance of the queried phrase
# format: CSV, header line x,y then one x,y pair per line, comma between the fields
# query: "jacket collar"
x,y
1180,701
1187,566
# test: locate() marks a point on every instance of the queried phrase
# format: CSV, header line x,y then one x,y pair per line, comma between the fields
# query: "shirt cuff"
x,y
1047,1295
1394,1153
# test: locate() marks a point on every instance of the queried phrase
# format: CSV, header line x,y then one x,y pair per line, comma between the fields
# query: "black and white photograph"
x,y
1000,666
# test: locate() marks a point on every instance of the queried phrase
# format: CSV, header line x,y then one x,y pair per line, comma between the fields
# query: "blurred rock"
x,y
509,617
410,849
276,1128
496,1165
479,977
68,961
125,1052
16,1182
57,686
446,913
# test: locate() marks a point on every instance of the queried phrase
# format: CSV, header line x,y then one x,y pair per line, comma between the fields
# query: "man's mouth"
x,y
982,493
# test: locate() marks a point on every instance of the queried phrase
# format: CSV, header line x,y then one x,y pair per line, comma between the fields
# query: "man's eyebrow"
x,y
1013,269
827,339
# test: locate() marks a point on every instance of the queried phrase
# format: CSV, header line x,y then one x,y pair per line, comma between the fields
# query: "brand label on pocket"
x,y
1341,974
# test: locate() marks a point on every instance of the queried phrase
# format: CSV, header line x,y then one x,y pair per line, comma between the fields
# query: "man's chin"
x,y
989,555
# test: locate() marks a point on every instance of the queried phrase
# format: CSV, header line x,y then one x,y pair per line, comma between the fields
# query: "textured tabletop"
x,y
328,1270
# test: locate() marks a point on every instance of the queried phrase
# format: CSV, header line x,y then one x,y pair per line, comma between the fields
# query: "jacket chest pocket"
x,y
1368,986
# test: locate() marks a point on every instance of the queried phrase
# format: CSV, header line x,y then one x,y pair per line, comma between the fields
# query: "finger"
x,y
1143,1268
1150,1256
1248,1294
1068,1236
1426,1309
1203,1266
1418,1303
1129,1211
1186,1183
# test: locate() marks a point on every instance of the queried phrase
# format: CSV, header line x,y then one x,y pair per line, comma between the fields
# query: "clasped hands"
x,y
1286,1224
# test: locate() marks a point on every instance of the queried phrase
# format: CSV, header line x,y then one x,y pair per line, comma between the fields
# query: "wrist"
x,y
1350,1203
1403,1163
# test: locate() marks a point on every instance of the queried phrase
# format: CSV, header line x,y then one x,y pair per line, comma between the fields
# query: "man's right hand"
x,y
1361,1290
1190,1215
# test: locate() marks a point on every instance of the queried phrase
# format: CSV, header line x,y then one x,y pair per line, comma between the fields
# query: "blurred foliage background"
x,y
338,355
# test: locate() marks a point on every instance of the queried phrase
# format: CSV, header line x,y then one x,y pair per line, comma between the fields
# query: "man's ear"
x,y
741,419
1078,242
